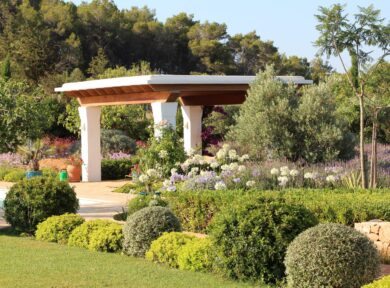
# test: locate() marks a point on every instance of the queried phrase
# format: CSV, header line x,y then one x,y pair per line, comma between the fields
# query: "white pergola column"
x,y
192,121
90,143
164,111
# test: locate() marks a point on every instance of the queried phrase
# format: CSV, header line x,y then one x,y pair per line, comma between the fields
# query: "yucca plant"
x,y
353,179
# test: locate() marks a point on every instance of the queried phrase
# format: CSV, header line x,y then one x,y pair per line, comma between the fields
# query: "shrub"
x,y
32,201
275,118
251,238
196,210
107,238
331,255
140,202
163,152
115,169
4,170
58,228
81,236
146,225
116,141
196,255
15,175
165,249
382,283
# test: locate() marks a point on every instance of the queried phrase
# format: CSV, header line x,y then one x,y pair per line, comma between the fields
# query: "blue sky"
x,y
290,24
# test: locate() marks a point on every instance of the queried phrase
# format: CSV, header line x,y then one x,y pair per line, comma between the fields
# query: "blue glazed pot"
x,y
31,174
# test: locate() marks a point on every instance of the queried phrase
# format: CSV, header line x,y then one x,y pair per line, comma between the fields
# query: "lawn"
x,y
26,263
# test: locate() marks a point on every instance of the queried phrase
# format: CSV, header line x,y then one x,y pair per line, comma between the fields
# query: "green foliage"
x,y
251,238
115,169
197,255
58,228
15,175
331,255
196,210
381,283
145,226
151,156
4,170
116,141
107,238
32,201
24,114
6,69
82,235
98,63
139,202
273,118
324,130
166,248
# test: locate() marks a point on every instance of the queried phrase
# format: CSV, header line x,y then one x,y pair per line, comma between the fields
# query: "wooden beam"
x,y
216,99
128,98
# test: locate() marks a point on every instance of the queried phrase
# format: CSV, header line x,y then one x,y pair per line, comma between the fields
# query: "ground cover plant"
x,y
74,267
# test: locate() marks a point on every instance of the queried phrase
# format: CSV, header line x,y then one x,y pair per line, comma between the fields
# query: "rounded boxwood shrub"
x,y
196,255
32,201
251,238
107,239
146,225
81,236
165,249
58,228
381,283
331,255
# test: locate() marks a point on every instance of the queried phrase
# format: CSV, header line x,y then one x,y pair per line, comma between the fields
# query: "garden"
x,y
270,199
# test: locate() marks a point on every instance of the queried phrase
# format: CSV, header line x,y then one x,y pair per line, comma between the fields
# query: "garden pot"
x,y
31,174
74,173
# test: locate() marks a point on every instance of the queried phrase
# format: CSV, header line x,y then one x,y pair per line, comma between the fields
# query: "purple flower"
x,y
119,156
236,180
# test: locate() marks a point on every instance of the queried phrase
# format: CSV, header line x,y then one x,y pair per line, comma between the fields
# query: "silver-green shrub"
x,y
331,255
146,225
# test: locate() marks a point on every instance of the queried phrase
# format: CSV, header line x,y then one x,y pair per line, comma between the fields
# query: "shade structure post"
x,y
192,121
164,112
90,143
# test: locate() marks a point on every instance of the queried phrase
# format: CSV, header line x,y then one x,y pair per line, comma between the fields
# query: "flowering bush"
x,y
148,178
227,171
10,159
162,153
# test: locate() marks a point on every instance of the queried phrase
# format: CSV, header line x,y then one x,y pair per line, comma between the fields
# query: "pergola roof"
x,y
190,90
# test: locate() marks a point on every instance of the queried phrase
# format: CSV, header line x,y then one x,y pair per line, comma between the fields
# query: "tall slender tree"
x,y
359,36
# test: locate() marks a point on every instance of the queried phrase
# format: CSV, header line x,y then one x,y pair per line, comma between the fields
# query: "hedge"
x,y
196,210
115,169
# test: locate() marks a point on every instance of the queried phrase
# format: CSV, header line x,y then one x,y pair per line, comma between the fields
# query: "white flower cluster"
x,y
311,175
150,175
283,180
220,185
163,154
250,184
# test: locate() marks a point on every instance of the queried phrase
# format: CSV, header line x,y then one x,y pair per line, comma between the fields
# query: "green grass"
x,y
27,263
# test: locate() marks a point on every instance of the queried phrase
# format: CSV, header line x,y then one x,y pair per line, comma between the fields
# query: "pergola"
x,y
163,93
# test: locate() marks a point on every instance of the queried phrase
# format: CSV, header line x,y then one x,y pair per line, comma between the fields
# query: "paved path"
x,y
96,199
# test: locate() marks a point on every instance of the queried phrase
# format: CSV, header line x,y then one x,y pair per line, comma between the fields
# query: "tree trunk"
x,y
373,168
361,143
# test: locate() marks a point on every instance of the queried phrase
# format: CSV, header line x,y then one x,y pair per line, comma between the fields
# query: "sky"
x,y
289,24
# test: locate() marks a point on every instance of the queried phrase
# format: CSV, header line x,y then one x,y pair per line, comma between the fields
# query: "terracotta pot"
x,y
74,173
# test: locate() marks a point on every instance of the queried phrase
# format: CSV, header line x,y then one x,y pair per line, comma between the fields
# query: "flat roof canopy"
x,y
190,90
